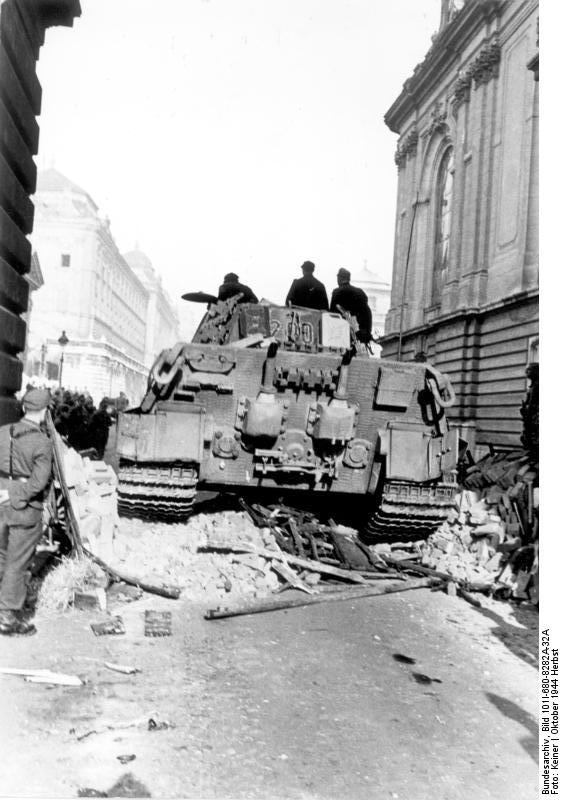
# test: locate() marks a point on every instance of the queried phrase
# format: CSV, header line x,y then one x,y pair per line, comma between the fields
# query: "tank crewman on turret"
x,y
307,291
232,286
353,300
26,455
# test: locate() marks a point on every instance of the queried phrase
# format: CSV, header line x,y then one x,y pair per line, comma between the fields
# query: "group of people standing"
x,y
309,292
84,426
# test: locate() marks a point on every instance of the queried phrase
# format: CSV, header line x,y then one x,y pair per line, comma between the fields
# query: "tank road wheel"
x,y
409,511
156,491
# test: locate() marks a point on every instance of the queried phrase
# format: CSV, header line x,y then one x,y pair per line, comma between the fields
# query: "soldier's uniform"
x,y
308,292
355,302
26,456
232,286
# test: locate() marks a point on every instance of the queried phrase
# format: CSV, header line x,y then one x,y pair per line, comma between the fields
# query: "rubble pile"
x,y
178,554
491,542
92,489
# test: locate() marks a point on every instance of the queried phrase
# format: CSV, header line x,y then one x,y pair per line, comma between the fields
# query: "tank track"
x,y
409,512
154,491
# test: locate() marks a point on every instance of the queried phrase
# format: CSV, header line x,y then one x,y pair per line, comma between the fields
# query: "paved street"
x,y
412,696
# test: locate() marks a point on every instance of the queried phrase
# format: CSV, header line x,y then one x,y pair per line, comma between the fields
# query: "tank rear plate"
x,y
165,436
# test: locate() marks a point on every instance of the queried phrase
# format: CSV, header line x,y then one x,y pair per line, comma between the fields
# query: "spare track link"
x,y
410,511
155,491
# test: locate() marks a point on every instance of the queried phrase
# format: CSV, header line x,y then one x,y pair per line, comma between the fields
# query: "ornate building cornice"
x,y
482,69
437,122
486,64
407,149
441,59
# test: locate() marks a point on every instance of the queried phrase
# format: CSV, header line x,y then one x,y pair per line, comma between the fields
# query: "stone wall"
x,y
22,32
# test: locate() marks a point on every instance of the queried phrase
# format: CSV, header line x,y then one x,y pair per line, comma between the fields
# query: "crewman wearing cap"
x,y
307,291
232,286
26,456
353,300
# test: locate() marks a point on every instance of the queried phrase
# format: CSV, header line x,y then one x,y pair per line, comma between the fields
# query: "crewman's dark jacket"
x,y
355,301
309,293
230,289
25,453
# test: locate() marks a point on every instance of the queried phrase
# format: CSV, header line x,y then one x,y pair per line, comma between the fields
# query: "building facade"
x,y
22,34
162,321
465,271
109,311
378,292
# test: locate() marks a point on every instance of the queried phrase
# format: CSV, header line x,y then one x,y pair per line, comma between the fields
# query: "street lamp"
x,y
63,341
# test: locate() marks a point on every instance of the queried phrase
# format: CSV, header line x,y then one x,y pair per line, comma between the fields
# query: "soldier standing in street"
x,y
307,291
26,455
355,302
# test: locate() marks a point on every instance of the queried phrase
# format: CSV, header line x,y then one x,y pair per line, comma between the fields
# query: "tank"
x,y
272,398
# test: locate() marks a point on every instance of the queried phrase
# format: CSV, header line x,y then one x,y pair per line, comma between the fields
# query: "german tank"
x,y
274,398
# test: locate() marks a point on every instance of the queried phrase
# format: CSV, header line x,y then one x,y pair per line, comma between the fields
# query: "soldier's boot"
x,y
10,625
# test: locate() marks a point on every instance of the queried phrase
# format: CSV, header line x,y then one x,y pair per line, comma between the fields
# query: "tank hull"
x,y
312,414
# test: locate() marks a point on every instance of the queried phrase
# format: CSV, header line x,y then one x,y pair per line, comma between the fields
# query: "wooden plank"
x,y
16,152
23,55
15,248
259,607
14,289
14,198
11,369
17,102
305,563
12,331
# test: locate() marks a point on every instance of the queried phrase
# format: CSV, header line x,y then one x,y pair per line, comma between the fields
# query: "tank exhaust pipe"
x,y
342,390
268,384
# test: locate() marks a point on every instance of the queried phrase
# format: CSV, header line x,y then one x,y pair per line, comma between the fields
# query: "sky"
x,y
235,135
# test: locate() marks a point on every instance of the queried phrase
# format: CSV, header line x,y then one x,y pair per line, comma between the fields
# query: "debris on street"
x,y
121,668
111,726
161,725
242,609
43,676
72,576
109,627
126,758
488,544
157,623
491,542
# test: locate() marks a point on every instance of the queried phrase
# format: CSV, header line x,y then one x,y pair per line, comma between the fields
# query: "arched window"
x,y
444,188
